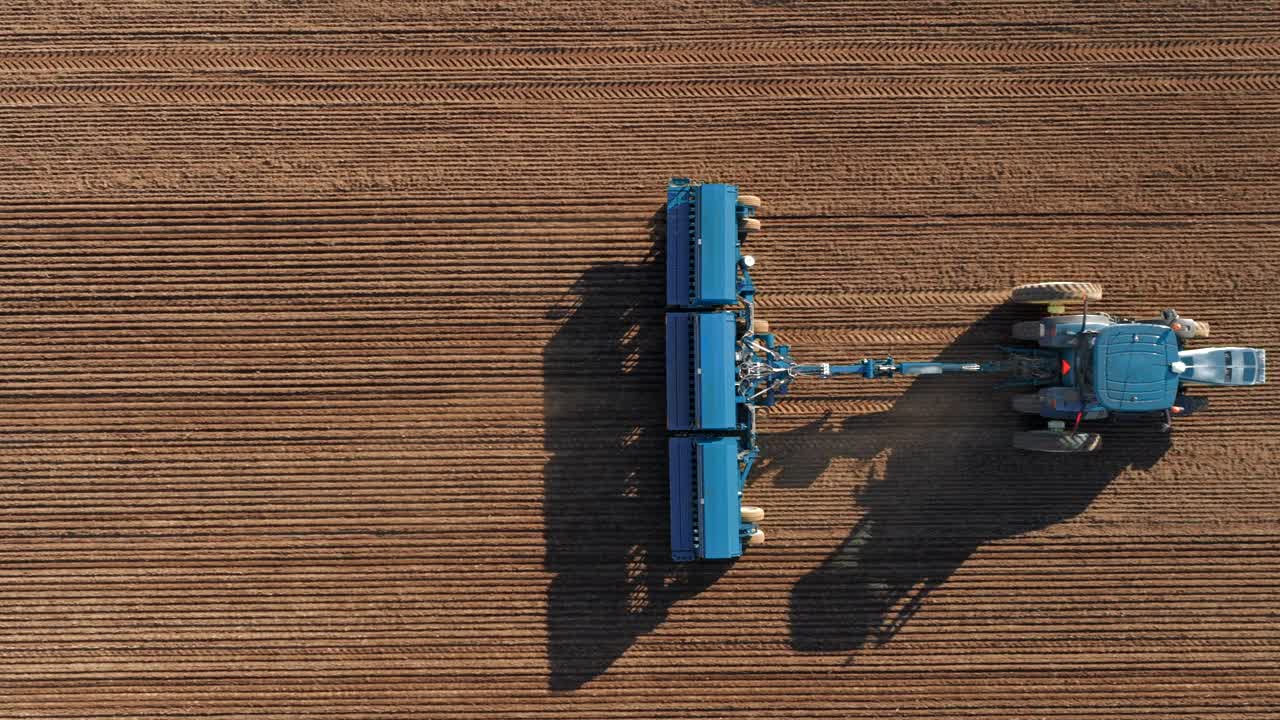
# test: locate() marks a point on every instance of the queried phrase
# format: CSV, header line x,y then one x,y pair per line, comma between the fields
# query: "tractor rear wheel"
x,y
750,201
1027,403
1047,293
1057,442
750,225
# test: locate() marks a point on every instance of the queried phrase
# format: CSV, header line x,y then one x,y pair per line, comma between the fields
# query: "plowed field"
x,y
331,359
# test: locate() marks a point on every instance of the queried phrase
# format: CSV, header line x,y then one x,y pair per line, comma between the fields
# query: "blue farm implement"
x,y
723,364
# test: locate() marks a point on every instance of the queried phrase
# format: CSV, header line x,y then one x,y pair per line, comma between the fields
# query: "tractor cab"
x,y
1132,367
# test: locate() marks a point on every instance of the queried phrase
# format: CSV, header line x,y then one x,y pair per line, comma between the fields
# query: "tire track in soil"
x,y
759,52
583,20
224,94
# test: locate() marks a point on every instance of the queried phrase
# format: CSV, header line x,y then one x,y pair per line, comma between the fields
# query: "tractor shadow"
x,y
947,481
605,505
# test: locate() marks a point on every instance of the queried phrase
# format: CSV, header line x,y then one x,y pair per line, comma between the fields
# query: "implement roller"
x,y
723,364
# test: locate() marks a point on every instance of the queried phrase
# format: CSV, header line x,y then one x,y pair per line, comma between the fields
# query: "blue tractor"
x,y
723,364
1110,367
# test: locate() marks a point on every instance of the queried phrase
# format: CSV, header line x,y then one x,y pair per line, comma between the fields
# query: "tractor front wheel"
x,y
1057,442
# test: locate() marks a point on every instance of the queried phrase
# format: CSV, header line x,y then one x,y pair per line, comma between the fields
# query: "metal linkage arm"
x,y
888,367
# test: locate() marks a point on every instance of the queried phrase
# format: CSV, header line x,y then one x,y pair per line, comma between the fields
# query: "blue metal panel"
x,y
1131,367
680,475
716,371
680,391
719,508
716,239
679,243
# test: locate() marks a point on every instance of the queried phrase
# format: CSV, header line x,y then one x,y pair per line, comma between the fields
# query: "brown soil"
x,y
331,377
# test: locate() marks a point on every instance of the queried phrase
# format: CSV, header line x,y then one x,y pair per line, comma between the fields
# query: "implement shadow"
x,y
950,483
606,512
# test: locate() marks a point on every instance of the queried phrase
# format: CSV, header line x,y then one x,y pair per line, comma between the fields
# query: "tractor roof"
x,y
1131,370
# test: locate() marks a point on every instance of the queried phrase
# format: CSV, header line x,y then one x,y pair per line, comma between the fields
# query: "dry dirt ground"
x,y
330,359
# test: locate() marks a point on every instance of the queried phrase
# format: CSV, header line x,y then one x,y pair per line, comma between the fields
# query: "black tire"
x,y
1027,403
1057,442
1028,330
1056,292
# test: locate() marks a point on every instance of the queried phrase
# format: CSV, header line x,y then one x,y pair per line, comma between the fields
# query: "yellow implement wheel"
x,y
750,201
752,514
756,538
759,327
750,225
1202,329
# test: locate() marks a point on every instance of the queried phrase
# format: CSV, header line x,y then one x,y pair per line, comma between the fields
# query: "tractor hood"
x,y
1132,367
1223,366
